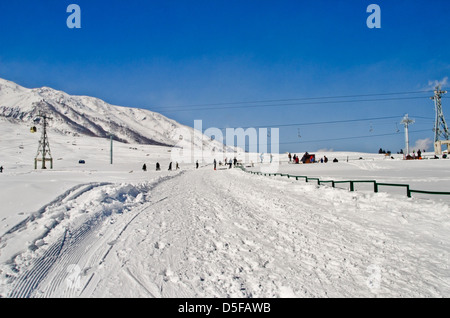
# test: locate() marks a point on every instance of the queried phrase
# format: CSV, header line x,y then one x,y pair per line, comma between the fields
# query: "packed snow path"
x,y
225,233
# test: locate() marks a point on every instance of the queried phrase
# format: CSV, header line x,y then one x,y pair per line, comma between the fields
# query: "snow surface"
x,y
102,230
84,115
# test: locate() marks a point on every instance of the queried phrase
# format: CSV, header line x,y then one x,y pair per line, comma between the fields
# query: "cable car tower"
x,y
407,121
43,154
441,132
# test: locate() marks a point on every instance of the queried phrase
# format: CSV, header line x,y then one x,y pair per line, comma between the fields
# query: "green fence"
x,y
376,185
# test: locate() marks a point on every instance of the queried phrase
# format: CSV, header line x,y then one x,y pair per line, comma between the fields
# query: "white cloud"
x,y
443,82
423,144
325,150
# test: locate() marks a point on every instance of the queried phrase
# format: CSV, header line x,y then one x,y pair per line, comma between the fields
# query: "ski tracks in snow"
x,y
69,238
225,233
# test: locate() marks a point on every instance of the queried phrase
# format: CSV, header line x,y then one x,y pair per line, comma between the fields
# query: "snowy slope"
x,y
102,230
112,230
197,234
83,115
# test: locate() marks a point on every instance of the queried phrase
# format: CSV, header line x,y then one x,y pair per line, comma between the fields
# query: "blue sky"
x,y
168,55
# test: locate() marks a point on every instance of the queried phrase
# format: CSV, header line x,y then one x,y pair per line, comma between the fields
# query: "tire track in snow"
x,y
81,246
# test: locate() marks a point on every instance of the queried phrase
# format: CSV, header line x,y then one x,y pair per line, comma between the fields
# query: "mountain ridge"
x,y
91,116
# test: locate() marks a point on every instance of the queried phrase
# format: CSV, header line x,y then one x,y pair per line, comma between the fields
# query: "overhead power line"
x,y
298,102
321,122
352,137
326,122
343,138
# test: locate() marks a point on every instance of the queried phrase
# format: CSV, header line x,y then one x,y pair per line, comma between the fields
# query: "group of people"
x,y
306,158
158,166
227,162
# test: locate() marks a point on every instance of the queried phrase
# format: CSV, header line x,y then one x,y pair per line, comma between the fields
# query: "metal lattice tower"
x,y
440,126
43,154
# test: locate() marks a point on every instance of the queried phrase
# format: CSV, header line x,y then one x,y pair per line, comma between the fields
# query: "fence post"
x,y
375,187
352,187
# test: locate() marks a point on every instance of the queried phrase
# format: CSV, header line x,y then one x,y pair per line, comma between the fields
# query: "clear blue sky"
x,y
161,54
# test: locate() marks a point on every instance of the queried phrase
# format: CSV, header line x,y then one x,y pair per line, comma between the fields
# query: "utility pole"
x,y
440,126
43,154
111,149
407,121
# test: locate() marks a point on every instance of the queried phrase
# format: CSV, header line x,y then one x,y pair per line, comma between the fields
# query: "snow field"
x,y
101,230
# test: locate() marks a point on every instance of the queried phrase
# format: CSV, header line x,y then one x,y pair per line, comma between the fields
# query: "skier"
x,y
230,163
234,161
144,167
215,164
1,169
290,157
158,167
196,165
170,166
177,167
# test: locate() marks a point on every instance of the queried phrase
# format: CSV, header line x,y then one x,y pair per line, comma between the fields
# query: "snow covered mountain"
x,y
83,115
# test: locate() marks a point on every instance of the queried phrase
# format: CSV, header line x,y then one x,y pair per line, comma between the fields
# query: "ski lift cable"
x,y
327,122
289,104
167,108
352,137
321,122
348,138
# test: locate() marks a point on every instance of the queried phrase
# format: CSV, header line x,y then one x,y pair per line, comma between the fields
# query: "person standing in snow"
x,y
144,167
170,166
215,164
177,167
230,163
271,158
158,167
290,157
1,169
196,165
